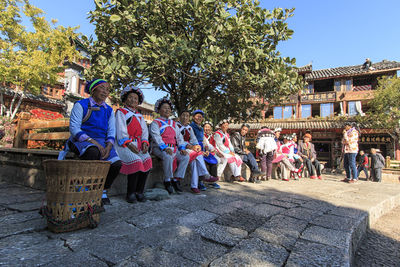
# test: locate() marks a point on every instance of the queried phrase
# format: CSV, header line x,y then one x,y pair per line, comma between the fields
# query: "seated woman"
x,y
285,157
132,143
209,143
92,128
224,146
197,164
168,145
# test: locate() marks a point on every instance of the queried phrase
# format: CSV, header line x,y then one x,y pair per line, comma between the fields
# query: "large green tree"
x,y
384,109
30,57
213,54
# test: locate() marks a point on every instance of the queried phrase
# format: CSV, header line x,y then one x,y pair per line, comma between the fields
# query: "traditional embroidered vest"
x,y
185,131
95,119
224,137
133,120
167,130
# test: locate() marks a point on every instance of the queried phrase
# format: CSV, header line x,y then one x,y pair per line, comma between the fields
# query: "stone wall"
x,y
24,167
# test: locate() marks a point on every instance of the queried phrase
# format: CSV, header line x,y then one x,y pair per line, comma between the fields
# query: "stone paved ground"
x,y
277,223
381,245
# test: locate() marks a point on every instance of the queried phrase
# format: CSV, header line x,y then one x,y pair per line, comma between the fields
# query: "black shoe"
x,y
140,197
105,201
169,187
131,198
177,186
251,180
257,174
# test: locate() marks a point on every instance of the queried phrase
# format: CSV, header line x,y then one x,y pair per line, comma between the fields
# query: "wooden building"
x,y
331,97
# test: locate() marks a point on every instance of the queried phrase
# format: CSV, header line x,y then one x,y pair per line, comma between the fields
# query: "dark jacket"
x,y
307,151
377,161
363,160
238,144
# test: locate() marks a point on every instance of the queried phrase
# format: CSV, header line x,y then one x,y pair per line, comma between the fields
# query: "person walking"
x,y
363,164
377,163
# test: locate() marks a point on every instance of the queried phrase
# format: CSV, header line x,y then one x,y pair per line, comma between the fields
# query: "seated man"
x,y
92,128
307,152
238,141
210,158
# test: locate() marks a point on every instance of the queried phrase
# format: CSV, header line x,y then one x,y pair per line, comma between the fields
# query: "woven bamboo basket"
x,y
74,189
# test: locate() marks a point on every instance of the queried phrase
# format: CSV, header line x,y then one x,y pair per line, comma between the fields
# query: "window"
x,y
277,112
308,88
352,110
287,112
348,85
326,110
337,86
305,111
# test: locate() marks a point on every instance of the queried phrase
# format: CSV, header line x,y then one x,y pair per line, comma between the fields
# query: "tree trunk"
x,y
18,105
10,110
2,106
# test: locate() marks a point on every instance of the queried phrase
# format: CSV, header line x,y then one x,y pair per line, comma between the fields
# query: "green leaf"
x,y
231,59
115,18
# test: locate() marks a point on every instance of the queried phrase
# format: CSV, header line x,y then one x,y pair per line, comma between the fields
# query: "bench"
x,y
27,130
392,164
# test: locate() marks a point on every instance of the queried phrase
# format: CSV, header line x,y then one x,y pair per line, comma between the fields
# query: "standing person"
x,y
210,158
307,152
350,142
377,163
197,164
266,146
92,128
363,164
238,140
133,143
224,146
168,145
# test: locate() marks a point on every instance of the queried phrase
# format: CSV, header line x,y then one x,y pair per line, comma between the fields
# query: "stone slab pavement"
x,y
275,223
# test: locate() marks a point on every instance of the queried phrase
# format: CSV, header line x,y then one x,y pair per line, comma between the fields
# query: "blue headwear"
x,y
90,86
197,111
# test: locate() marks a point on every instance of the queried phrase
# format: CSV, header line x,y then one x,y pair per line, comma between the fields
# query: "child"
x,y
377,163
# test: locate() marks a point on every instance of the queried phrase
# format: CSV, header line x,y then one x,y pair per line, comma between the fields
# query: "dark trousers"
x,y
310,168
250,161
266,163
212,169
376,175
93,153
349,163
136,182
362,168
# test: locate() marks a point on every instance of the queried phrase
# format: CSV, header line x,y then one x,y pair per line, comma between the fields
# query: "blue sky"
x,y
328,33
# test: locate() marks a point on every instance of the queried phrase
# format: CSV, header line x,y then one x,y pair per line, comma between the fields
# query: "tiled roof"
x,y
296,124
351,70
306,68
39,98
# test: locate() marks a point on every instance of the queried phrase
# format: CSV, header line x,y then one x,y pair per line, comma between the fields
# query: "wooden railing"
x,y
392,164
25,130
